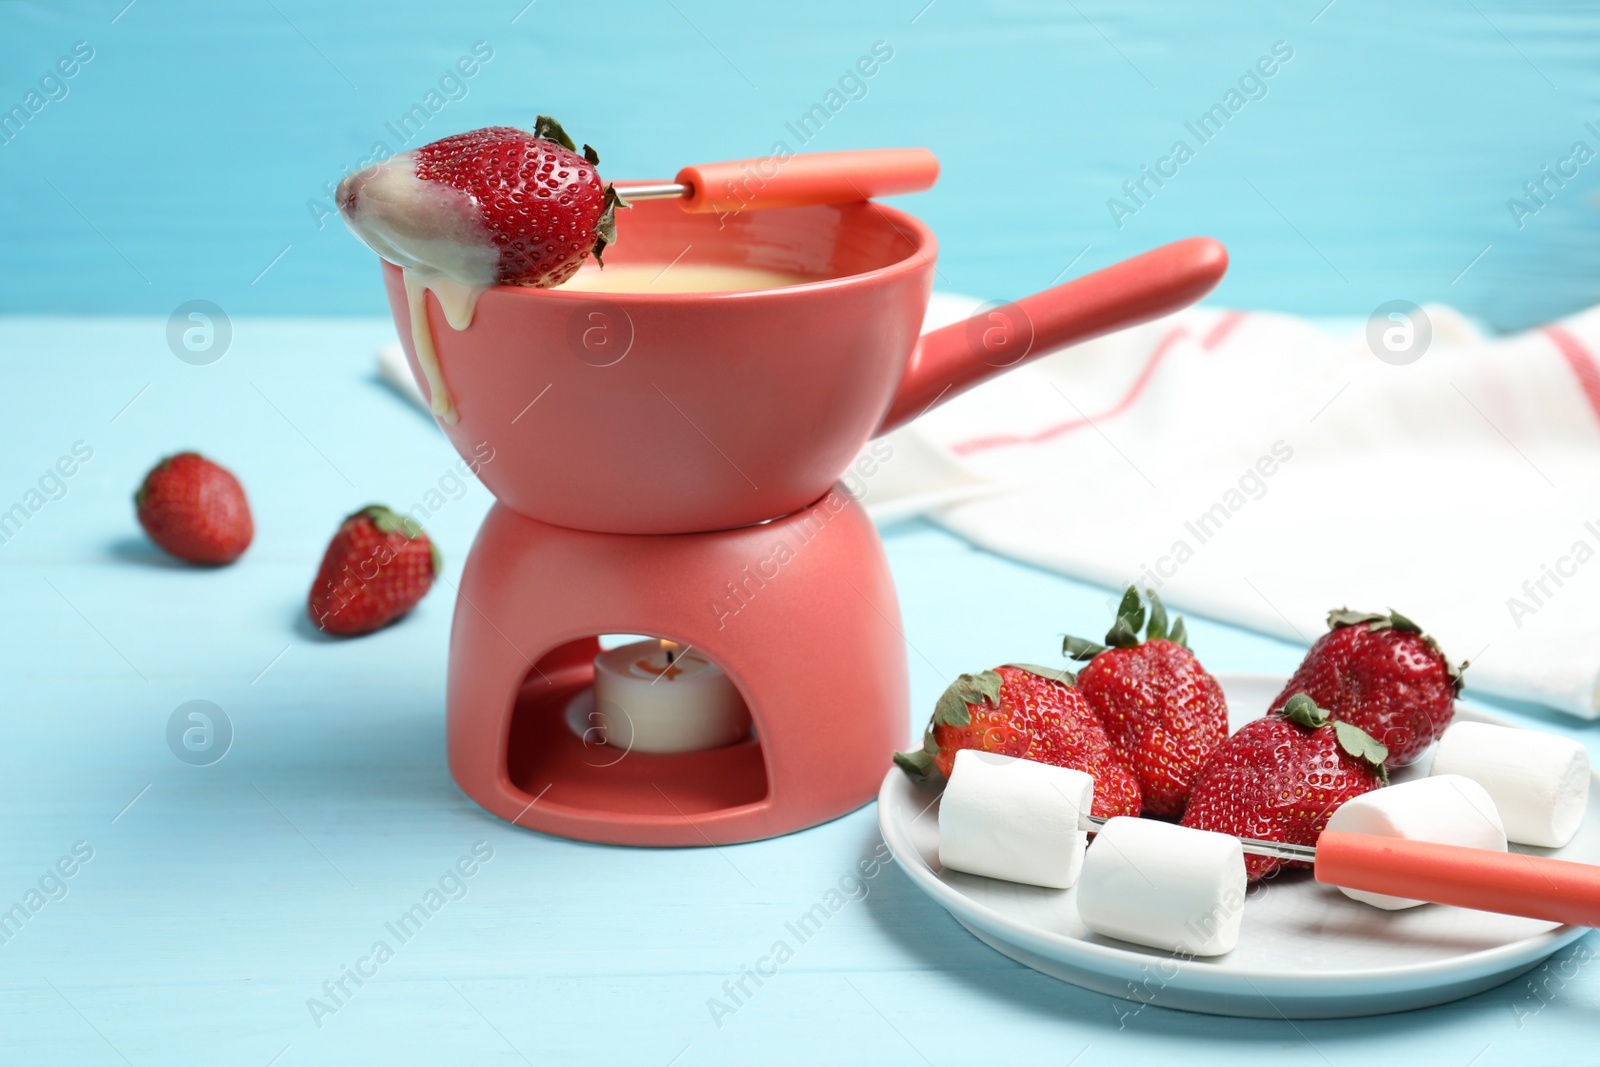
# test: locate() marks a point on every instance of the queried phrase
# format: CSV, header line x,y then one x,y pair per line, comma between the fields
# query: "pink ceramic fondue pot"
x,y
666,465
683,412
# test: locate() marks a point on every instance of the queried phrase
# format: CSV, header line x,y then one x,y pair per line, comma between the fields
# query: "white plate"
x,y
1306,950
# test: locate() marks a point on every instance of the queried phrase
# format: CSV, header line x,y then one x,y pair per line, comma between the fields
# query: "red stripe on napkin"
x,y
1215,336
1219,332
1581,360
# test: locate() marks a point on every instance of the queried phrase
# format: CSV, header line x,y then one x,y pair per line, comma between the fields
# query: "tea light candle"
x,y
653,696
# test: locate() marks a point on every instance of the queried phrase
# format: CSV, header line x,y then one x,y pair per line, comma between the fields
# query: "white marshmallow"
x,y
1539,781
1447,809
1011,818
1165,886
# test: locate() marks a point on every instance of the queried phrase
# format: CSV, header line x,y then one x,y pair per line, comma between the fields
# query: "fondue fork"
x,y
793,181
1511,883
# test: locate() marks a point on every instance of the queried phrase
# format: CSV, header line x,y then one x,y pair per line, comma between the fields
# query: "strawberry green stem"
x,y
389,521
548,128
1393,620
1124,633
919,764
1301,710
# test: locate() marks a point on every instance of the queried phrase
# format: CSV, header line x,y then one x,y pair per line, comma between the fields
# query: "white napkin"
x,y
1259,469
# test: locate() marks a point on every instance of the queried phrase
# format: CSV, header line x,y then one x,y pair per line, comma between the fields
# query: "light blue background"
x,y
1377,167
179,167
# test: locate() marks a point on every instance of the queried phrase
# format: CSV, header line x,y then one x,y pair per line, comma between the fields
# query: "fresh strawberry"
x,y
378,565
1027,711
1162,711
195,509
541,203
1280,777
1383,674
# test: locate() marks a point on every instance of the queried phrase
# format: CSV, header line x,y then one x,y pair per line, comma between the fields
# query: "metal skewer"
x,y
1255,846
654,191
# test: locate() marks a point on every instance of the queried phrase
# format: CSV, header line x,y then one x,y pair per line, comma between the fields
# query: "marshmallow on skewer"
x,y
1163,885
1011,818
1539,781
1447,809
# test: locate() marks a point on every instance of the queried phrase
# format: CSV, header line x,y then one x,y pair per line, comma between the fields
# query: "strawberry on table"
x,y
195,509
377,567
1027,711
492,206
1383,674
1280,777
1161,709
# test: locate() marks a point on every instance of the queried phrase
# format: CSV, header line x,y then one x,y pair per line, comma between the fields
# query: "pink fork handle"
x,y
808,178
952,360
1507,882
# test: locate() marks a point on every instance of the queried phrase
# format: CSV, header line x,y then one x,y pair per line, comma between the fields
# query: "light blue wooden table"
x,y
177,164
220,898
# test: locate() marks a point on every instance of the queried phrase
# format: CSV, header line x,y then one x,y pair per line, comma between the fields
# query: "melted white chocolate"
x,y
678,278
458,302
435,234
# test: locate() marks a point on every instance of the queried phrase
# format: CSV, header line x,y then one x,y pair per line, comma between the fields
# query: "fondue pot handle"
x,y
951,360
810,178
